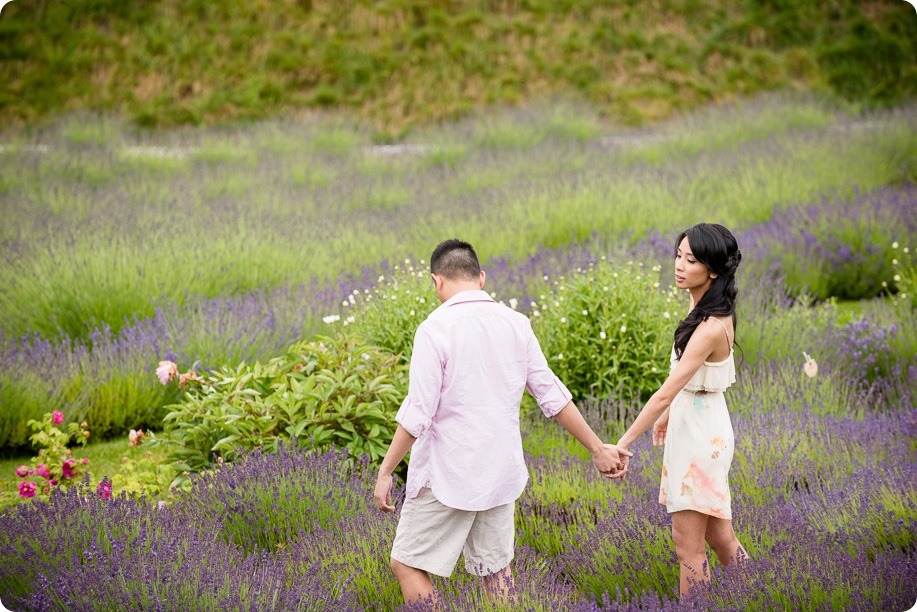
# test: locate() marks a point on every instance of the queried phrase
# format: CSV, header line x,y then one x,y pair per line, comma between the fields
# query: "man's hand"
x,y
660,428
383,493
610,461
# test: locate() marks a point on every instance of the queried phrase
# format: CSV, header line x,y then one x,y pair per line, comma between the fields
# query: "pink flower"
x,y
26,489
104,489
42,470
166,371
68,468
85,460
22,471
52,482
58,417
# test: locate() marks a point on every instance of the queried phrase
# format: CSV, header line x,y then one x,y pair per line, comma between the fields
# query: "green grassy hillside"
x,y
399,63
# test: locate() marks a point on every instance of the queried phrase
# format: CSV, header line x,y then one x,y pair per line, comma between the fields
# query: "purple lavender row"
x,y
37,374
819,500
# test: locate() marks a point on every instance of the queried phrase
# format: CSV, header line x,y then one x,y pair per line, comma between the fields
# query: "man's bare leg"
x,y
416,585
500,585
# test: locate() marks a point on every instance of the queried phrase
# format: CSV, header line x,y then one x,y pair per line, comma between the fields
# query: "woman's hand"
x,y
660,428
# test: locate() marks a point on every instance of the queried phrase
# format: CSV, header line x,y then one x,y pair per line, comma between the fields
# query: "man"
x,y
472,360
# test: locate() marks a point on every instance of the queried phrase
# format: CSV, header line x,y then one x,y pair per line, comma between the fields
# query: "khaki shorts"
x,y
430,536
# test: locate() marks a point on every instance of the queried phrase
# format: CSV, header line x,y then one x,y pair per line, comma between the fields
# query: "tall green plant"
x,y
608,329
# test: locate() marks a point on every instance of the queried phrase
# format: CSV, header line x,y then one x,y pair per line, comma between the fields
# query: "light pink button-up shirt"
x,y
472,360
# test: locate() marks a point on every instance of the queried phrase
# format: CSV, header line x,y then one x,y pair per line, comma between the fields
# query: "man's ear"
x,y
482,279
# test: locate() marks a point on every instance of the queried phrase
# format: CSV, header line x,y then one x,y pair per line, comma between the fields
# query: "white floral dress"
x,y
699,443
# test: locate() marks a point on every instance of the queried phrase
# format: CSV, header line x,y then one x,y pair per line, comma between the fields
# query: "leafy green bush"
x,y
389,313
337,391
608,329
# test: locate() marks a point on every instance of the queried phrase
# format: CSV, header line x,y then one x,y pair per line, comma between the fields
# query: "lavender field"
x,y
211,248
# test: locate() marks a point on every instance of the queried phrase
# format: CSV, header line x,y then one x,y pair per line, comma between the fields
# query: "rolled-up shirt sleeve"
x,y
424,386
550,393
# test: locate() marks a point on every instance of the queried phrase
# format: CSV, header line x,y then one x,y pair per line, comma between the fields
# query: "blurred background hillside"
x,y
396,64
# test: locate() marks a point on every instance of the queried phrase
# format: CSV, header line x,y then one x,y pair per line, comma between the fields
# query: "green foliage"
x,y
149,476
403,64
608,329
769,331
337,391
389,313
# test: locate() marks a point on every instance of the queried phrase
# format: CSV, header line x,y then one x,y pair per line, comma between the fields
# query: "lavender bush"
x,y
824,505
841,248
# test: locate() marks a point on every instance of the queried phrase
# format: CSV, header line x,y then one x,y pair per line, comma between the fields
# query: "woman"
x,y
689,410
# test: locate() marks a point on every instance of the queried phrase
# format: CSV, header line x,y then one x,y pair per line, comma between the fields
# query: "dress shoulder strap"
x,y
725,330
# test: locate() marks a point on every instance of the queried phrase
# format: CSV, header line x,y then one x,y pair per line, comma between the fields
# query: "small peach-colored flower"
x,y
134,438
166,371
187,377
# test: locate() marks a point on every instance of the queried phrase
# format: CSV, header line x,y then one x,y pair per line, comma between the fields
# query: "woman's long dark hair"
x,y
714,246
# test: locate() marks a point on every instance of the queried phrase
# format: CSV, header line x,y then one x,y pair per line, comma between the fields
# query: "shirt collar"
x,y
473,295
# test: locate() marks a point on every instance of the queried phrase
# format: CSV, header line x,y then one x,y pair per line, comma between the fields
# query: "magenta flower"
x,y
68,468
166,371
85,460
42,470
22,471
58,417
27,489
104,489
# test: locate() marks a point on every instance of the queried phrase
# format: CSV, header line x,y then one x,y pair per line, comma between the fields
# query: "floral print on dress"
x,y
699,448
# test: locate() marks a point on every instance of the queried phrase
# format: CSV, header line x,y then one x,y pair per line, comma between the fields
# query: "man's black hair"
x,y
455,260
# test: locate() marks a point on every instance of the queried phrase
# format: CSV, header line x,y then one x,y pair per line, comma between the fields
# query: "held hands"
x,y
383,493
611,461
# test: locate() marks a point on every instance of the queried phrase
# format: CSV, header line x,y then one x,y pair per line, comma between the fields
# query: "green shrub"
x,y
337,391
608,329
389,313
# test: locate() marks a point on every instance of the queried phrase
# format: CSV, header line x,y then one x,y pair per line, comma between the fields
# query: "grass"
x,y
397,65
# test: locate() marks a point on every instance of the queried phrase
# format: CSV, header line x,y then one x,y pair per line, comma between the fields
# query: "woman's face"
x,y
690,273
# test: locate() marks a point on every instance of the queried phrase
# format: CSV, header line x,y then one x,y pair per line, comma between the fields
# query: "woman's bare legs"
x,y
692,531
688,530
722,539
